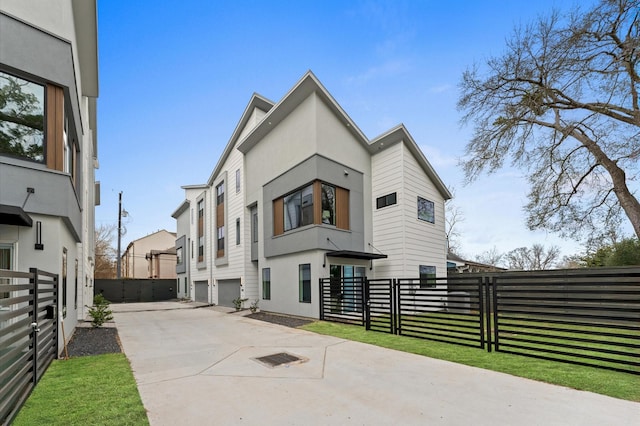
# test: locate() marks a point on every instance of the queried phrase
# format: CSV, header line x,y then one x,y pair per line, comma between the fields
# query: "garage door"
x,y
201,291
228,290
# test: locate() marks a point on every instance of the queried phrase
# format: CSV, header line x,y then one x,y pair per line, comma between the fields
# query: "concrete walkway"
x,y
198,367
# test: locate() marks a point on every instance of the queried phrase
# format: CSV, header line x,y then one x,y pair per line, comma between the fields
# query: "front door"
x,y
347,282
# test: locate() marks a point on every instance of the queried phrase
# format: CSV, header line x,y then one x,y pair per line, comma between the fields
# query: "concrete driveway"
x,y
199,367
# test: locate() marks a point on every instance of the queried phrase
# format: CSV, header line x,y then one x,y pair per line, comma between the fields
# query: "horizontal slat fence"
x,y
26,350
588,319
587,316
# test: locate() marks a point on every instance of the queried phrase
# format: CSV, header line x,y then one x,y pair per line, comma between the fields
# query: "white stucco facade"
x,y
306,144
53,46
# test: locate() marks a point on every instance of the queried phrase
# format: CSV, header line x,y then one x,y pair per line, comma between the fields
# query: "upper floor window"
x,y
386,200
328,204
179,258
315,204
201,230
22,126
298,208
237,181
425,210
220,194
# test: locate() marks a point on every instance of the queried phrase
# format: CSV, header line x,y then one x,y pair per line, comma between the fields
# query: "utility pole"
x,y
119,260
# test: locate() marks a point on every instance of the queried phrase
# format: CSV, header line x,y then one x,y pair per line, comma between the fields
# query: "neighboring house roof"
x,y
256,101
457,261
147,236
302,90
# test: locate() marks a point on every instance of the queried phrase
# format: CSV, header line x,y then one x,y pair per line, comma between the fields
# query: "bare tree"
x,y
105,253
562,103
490,257
453,217
534,258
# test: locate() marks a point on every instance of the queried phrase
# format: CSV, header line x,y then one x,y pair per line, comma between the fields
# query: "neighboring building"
x,y
152,256
458,265
48,145
299,194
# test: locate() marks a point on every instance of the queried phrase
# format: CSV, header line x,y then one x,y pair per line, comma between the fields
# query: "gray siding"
x,y
314,237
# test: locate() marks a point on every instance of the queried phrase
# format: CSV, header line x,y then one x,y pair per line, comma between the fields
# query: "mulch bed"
x,y
293,322
94,341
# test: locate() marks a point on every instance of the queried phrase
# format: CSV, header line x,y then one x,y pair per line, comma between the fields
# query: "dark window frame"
x,y
304,284
387,200
266,283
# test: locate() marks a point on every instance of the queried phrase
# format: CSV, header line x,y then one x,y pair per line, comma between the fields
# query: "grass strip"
x,y
97,389
605,382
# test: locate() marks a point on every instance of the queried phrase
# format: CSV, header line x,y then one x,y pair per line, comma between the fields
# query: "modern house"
x,y
48,145
299,194
152,256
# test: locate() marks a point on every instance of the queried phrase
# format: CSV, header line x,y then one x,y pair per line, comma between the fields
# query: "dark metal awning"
x,y
350,254
14,215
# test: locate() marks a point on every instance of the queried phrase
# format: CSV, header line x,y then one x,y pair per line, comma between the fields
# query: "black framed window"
x,y
427,276
266,283
386,200
304,277
426,210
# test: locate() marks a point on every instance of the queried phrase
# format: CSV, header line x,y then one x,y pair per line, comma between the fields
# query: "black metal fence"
x,y
28,334
136,290
586,317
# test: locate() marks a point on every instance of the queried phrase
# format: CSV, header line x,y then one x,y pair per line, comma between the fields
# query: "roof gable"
x,y
256,101
401,134
307,85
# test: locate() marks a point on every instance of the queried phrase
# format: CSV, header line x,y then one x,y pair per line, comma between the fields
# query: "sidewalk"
x,y
199,367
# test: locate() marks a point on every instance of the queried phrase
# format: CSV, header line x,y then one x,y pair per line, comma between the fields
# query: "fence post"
x,y
395,310
34,334
321,299
366,303
488,310
494,308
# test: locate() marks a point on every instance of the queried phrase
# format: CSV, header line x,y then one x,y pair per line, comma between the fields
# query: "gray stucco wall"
x,y
39,56
314,237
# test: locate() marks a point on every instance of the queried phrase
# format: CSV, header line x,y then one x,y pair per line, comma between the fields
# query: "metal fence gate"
x,y
28,334
584,317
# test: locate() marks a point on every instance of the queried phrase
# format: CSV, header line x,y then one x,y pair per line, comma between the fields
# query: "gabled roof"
x,y
256,101
401,134
307,85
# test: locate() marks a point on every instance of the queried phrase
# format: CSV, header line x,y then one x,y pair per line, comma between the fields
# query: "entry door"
x,y
347,287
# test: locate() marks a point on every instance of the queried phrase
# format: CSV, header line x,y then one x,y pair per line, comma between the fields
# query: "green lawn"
x,y
97,390
611,383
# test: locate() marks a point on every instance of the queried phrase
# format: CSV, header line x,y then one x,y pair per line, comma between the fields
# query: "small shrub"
x,y
237,303
254,307
100,312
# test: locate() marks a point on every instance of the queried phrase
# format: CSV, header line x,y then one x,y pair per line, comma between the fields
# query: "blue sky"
x,y
176,76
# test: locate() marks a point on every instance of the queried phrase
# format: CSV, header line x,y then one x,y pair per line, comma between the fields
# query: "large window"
x,y
298,208
304,277
22,125
35,124
425,210
220,240
266,283
427,276
220,222
201,231
315,204
179,258
328,204
220,194
386,200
